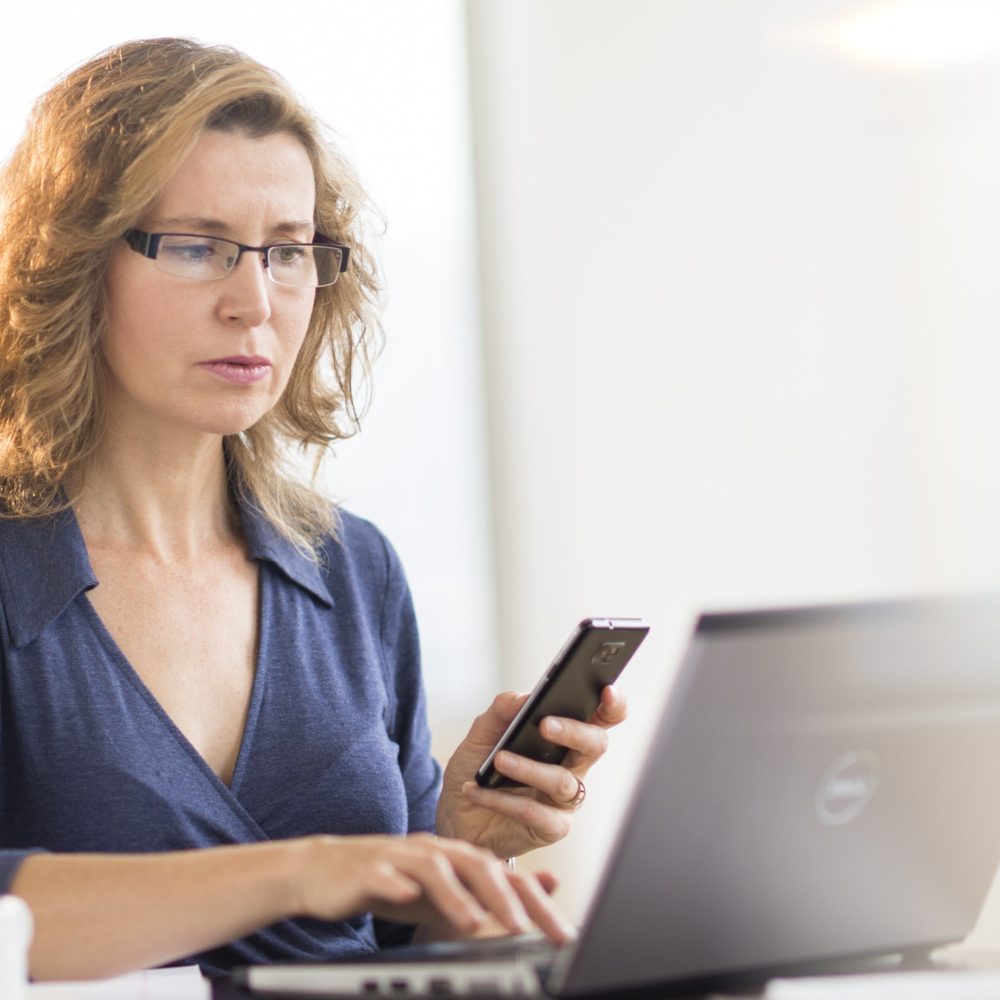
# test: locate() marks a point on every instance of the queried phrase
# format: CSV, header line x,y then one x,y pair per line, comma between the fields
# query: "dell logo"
x,y
847,787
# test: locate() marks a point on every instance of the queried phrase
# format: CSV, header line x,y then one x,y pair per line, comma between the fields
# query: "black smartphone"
x,y
593,657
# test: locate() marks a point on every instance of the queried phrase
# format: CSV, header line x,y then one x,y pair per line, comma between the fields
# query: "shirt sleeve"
x,y
10,860
408,725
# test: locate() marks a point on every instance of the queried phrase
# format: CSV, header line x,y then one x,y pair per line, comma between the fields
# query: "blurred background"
x,y
690,303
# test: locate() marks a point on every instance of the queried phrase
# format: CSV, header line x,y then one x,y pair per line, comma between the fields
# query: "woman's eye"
x,y
189,251
289,255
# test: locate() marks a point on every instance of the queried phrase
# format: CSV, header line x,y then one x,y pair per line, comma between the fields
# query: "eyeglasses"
x,y
206,258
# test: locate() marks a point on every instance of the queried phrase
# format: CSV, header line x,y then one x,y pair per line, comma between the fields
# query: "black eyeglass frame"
x,y
148,244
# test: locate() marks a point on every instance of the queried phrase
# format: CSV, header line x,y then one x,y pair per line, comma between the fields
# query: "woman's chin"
x,y
234,418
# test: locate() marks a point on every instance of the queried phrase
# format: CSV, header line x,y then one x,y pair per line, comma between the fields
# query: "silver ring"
x,y
581,794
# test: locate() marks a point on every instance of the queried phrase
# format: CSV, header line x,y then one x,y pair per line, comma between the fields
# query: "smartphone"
x,y
593,657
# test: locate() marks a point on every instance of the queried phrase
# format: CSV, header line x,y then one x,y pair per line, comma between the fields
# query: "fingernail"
x,y
554,726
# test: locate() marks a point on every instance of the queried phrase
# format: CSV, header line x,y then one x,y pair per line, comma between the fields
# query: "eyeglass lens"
x,y
203,258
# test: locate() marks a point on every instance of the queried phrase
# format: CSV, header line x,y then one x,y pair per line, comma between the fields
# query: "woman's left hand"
x,y
512,821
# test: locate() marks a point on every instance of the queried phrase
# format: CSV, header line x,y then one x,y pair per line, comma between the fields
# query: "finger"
x,y
587,739
546,823
475,873
536,902
613,708
547,881
387,883
441,886
505,706
508,703
490,725
559,783
487,880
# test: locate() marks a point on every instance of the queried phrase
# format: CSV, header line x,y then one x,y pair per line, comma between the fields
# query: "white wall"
x,y
740,299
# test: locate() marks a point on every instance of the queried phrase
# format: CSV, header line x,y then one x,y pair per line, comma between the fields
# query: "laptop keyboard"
x,y
532,947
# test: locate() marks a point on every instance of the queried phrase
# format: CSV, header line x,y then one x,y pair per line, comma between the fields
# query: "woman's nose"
x,y
247,292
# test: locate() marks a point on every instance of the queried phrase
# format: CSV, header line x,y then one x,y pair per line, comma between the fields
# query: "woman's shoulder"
x,y
359,544
355,533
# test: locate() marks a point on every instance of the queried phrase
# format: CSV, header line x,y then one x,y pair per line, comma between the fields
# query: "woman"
x,y
197,652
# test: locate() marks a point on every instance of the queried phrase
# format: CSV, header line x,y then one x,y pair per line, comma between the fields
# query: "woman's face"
x,y
212,356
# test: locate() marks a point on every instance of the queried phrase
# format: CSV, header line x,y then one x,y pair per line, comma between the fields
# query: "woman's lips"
x,y
238,369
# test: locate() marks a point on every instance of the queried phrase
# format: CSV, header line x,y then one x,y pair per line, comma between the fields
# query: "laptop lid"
x,y
822,785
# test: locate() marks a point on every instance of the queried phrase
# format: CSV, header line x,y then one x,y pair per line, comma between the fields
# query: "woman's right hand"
x,y
423,879
93,918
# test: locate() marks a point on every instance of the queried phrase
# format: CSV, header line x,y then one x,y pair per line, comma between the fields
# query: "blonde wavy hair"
x,y
99,148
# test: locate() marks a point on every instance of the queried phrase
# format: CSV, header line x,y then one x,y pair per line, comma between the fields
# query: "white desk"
x,y
156,984
978,980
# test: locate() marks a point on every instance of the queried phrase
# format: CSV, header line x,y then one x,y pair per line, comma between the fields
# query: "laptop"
x,y
821,787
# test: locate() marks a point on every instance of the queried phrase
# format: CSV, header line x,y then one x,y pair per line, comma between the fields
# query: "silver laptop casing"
x,y
825,783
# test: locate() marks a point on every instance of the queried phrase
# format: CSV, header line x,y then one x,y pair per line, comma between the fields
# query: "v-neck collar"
x,y
228,791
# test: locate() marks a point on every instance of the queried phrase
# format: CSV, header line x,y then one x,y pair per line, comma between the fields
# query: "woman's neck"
x,y
171,502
